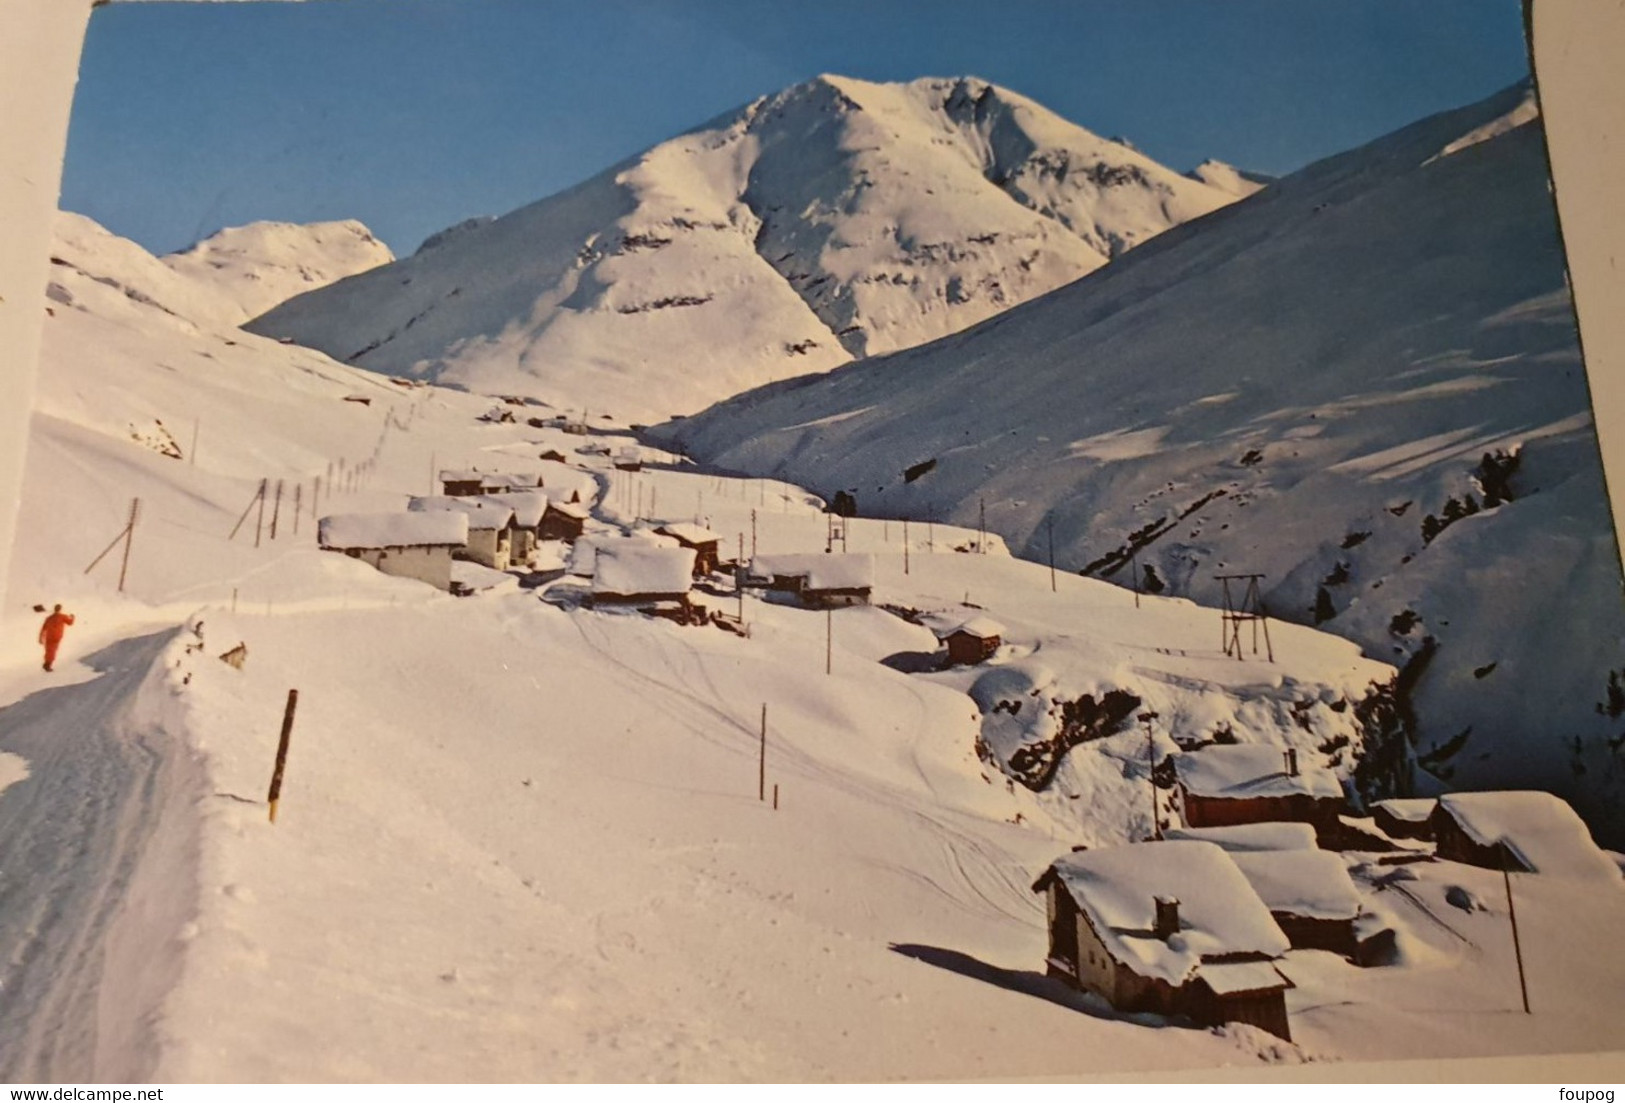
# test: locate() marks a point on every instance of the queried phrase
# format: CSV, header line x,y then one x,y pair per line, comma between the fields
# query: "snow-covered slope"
x,y
837,219
1320,384
521,840
266,263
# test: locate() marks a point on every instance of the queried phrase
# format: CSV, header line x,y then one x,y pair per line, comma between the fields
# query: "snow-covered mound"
x,y
837,219
266,263
1364,382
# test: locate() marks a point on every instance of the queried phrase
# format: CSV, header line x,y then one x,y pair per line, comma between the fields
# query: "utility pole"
x,y
905,546
761,762
981,526
829,640
753,534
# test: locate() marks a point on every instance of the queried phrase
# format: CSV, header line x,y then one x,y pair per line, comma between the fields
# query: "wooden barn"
x,y
817,580
409,545
562,521
973,641
1405,818
1167,927
700,540
1527,831
1249,783
490,527
634,572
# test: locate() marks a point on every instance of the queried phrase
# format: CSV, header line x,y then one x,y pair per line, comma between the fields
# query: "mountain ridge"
x,y
836,219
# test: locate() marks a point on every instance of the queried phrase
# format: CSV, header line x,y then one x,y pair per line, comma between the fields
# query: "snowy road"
x,y
97,852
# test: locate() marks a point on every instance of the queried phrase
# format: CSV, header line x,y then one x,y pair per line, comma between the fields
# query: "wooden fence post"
x,y
275,794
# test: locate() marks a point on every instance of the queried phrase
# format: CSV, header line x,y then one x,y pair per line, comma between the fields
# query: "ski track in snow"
x,y
974,876
73,840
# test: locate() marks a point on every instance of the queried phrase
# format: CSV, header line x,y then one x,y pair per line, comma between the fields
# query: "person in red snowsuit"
x,y
50,633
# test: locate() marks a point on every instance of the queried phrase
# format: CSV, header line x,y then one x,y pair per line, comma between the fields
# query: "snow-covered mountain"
x,y
464,771
266,263
1365,383
834,220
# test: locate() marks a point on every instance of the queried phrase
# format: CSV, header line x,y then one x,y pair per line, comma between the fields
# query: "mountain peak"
x,y
838,218
262,264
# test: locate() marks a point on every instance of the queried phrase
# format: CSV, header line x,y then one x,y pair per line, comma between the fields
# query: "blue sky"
x,y
414,114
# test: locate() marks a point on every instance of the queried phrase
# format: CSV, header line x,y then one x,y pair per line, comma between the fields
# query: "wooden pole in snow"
x,y
1050,521
275,794
829,639
1151,771
739,579
1512,915
761,762
905,545
129,538
775,796
276,510
259,522
192,455
298,506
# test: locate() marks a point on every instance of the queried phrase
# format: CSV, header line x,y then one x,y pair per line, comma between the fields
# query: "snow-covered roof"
x,y
1314,884
463,476
482,513
584,553
1219,913
628,567
690,533
823,571
1242,838
513,481
345,531
1540,829
577,510
982,626
527,505
1231,978
1240,771
1408,809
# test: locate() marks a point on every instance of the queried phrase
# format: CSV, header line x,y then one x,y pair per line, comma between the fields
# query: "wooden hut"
x,y
1526,831
462,484
1251,783
633,572
818,581
1405,818
701,540
1167,927
973,641
562,521
408,545
1310,895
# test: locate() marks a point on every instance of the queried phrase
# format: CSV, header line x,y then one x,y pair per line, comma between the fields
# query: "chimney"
x,y
1292,762
1167,917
